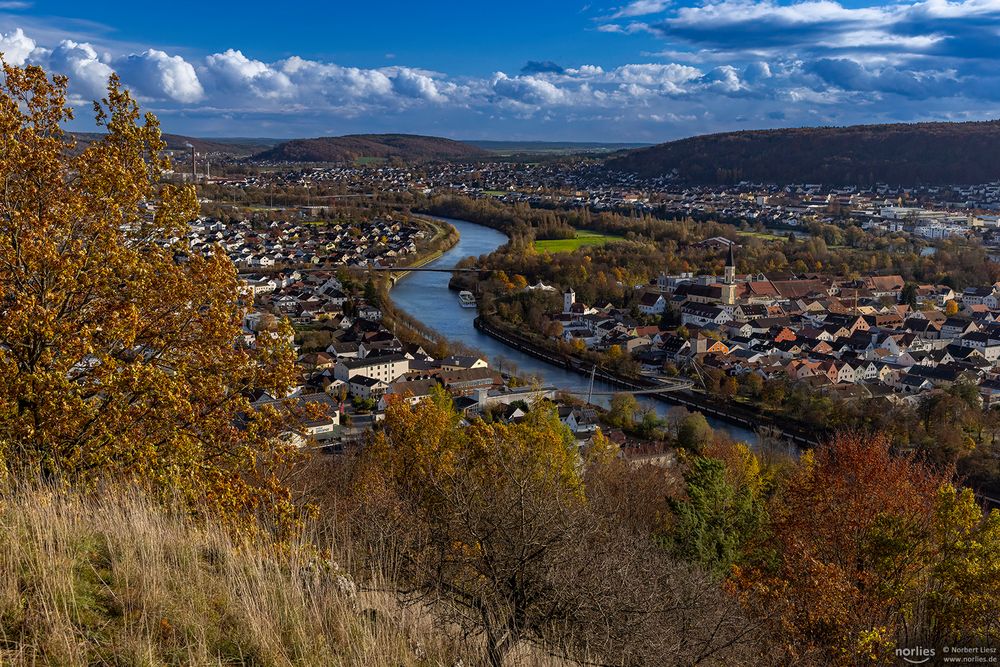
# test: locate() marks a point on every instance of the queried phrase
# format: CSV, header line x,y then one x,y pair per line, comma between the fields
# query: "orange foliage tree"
x,y
875,551
118,345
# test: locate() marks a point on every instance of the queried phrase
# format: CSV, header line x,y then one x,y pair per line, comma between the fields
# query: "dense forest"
x,y
349,148
898,154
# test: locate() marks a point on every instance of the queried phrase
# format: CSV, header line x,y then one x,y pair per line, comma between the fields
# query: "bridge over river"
x,y
423,294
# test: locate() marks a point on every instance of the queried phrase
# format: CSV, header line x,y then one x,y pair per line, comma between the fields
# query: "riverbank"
x,y
443,233
403,324
424,296
729,412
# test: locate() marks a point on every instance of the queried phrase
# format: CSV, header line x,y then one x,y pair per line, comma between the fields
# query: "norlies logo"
x,y
915,656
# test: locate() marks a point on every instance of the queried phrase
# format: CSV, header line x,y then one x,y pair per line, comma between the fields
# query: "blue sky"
x,y
640,70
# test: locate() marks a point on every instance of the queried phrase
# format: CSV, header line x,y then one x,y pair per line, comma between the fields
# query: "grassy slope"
x,y
583,238
115,580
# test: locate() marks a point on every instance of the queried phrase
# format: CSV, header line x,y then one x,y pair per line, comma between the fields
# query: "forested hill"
x,y
353,147
900,154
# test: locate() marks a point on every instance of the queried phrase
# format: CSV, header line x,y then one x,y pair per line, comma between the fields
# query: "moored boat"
x,y
466,299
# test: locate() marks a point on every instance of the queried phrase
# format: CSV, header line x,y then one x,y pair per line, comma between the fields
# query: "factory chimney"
x,y
194,162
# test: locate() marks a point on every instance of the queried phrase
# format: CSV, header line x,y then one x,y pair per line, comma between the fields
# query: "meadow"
x,y
583,238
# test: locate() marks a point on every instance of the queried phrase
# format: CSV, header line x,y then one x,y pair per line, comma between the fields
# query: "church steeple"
x,y
731,266
729,282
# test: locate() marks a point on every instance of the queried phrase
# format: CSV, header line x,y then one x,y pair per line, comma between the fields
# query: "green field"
x,y
764,236
583,238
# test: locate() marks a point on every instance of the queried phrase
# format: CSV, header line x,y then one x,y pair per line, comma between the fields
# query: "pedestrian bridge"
x,y
403,269
675,385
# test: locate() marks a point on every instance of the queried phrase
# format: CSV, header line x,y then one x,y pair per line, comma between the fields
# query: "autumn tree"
x,y
622,410
728,386
751,385
960,600
693,431
493,527
118,352
853,529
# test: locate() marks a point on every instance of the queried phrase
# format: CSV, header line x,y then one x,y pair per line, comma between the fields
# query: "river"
x,y
426,297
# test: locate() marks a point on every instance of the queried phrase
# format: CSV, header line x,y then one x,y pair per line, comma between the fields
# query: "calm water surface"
x,y
426,297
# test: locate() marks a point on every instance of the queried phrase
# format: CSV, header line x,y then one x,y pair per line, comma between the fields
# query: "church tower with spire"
x,y
729,281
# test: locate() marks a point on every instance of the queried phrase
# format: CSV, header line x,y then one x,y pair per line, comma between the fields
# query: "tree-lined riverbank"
x,y
426,298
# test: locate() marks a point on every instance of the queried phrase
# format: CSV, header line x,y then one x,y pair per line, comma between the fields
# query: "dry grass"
x,y
113,578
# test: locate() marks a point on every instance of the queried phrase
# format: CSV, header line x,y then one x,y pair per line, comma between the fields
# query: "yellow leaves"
x,y
422,446
807,461
957,512
967,571
743,469
117,359
602,450
873,643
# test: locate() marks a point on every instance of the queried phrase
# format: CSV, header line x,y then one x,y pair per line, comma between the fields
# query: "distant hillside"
x,y
551,147
354,147
901,154
237,147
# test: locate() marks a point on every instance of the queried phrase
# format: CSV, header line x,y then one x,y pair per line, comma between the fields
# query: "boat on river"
x,y
466,299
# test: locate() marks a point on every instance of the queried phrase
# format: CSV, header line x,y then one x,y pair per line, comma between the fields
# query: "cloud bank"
x,y
722,64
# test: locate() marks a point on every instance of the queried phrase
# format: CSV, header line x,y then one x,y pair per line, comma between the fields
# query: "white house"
x,y
386,368
701,314
652,303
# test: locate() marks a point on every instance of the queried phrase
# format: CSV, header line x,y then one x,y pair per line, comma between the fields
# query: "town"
x,y
868,338
351,364
855,339
931,212
851,338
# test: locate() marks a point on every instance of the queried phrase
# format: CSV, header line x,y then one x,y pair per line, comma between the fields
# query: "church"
x,y
724,293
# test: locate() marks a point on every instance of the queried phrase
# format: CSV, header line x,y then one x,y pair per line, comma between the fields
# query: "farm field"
x,y
583,238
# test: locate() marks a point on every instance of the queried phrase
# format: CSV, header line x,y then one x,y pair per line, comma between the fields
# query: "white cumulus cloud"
x,y
16,47
233,72
529,90
641,8
412,83
87,71
156,74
